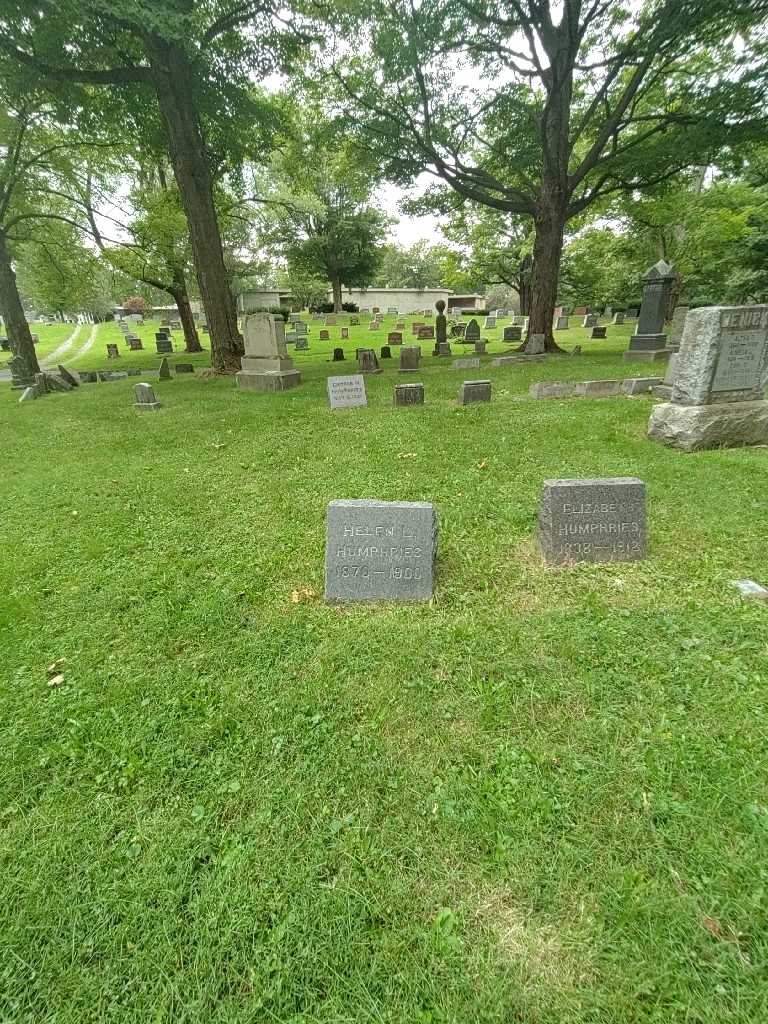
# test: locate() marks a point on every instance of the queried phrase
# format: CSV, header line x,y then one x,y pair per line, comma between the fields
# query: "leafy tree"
x,y
316,202
542,108
419,266
194,59
307,290
136,304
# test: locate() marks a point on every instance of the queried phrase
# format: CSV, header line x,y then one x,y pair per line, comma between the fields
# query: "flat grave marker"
x,y
593,520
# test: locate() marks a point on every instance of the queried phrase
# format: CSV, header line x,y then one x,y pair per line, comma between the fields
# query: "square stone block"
x,y
271,381
346,392
380,550
474,391
597,520
409,394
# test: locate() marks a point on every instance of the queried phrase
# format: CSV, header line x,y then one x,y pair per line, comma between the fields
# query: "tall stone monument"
x,y
266,365
720,376
441,324
649,342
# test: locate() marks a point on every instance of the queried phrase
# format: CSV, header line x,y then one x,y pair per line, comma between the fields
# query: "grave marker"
x,y
346,392
597,520
474,391
367,361
145,398
409,394
377,550
410,356
266,365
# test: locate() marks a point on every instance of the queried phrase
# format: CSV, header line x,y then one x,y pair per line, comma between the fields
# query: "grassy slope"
x,y
541,798
51,336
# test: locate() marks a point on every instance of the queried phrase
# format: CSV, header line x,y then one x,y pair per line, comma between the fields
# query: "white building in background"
x,y
405,300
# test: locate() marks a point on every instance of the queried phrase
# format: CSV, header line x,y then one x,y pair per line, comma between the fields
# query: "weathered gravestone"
x,y
490,323
513,334
300,327
344,333
474,391
395,338
480,347
561,323
135,345
441,324
325,336
410,356
472,332
29,394
113,352
302,343
380,551
466,364
165,369
338,355
409,394
443,349
535,346
426,333
590,320
145,398
71,378
330,321
598,520
367,361
386,352
649,342
354,321
346,392
184,368
266,365
676,331
618,319
163,344
458,331
598,333
552,389
720,376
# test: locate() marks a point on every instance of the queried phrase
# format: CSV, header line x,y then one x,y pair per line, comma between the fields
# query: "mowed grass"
x,y
51,336
539,798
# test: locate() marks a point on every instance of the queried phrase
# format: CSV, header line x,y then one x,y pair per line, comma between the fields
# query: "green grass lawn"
x,y
540,798
51,336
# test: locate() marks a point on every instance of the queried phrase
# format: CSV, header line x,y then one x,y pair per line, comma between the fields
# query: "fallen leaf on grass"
x,y
56,680
54,667
303,594
219,446
712,926
483,464
406,455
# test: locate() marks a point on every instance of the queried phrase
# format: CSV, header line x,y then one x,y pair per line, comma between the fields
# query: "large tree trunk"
x,y
547,250
523,286
173,80
336,285
24,364
181,297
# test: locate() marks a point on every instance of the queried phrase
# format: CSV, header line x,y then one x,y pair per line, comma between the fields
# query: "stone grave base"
x,y
146,406
693,428
276,380
651,355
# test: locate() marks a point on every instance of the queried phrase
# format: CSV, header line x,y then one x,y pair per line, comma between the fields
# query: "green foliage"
x,y
419,266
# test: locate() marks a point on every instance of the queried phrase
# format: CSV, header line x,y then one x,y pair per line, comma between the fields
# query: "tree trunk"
x,y
336,285
181,297
173,80
547,250
24,364
523,286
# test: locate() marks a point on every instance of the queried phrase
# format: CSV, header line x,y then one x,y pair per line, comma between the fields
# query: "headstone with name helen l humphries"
x,y
410,357
472,391
367,361
145,398
720,376
409,394
649,342
266,365
597,520
380,551
346,392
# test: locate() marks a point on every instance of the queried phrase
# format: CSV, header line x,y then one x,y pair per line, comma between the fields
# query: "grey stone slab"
x,y
472,391
30,393
346,392
165,370
750,591
302,344
410,357
592,520
640,385
678,324
535,345
618,319
694,428
598,388
408,394
380,551
54,382
69,376
145,398
480,347
466,364
521,357
367,361
662,391
552,389
723,356
184,368
269,381
669,375
561,323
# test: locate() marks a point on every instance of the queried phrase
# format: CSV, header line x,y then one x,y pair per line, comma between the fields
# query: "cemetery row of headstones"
x,y
387,551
